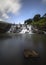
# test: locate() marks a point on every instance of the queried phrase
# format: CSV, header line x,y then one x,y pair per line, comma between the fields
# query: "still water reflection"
x,y
12,49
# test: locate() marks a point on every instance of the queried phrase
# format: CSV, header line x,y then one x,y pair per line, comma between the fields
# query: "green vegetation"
x,y
29,21
38,22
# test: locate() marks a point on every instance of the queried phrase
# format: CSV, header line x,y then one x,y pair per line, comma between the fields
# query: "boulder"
x,y
29,53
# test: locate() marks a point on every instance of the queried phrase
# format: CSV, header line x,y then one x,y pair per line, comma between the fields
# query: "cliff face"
x,y
4,27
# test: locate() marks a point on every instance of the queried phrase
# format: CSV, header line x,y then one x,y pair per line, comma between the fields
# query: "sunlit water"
x,y
12,49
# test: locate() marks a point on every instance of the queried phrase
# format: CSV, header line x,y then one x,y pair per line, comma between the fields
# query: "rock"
x,y
29,53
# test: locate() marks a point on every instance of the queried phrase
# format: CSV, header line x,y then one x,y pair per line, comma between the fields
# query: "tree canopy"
x,y
28,21
37,21
37,17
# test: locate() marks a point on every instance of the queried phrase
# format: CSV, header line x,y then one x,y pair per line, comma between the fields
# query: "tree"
x,y
28,21
44,15
37,17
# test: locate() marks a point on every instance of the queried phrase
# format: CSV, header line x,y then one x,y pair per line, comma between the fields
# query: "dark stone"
x,y
29,53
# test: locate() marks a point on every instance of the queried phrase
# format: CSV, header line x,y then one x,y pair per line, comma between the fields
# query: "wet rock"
x,y
29,53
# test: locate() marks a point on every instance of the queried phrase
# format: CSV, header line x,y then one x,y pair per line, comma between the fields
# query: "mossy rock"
x,y
29,53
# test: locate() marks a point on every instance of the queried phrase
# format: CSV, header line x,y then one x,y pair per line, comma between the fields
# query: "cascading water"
x,y
30,29
26,30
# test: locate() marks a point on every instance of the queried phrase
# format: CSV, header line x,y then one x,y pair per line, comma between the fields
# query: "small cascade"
x,y
26,30
30,30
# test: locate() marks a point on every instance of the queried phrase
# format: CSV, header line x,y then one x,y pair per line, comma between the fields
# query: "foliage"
x,y
37,17
37,21
29,21
40,24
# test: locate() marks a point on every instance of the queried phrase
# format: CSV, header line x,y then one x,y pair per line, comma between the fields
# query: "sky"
x,y
17,11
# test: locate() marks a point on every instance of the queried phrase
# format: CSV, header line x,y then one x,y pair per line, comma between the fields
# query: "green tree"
x,y
28,21
44,15
37,17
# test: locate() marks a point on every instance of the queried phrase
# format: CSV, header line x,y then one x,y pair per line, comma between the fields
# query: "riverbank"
x,y
36,30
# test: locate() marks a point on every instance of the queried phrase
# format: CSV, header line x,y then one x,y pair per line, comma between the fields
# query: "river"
x,y
12,49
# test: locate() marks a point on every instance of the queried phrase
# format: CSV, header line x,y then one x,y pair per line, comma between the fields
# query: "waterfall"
x,y
26,30
30,29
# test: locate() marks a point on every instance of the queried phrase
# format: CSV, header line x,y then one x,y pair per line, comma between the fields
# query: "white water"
x,y
24,30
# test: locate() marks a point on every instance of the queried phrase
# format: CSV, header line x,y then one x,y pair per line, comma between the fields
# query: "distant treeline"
x,y
37,21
